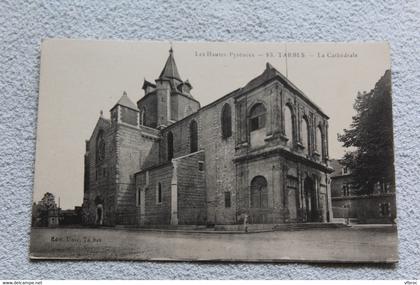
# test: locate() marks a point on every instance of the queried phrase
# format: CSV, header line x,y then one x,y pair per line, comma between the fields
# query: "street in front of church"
x,y
357,243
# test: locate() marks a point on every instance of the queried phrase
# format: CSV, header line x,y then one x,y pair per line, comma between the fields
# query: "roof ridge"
x,y
170,69
125,101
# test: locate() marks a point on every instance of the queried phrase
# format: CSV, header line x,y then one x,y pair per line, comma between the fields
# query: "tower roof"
x,y
126,102
170,71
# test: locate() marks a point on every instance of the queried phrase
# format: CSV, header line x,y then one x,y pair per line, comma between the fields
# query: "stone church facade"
x,y
259,152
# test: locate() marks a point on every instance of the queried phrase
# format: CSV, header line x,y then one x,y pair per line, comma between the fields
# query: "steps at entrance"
x,y
278,227
304,226
176,227
240,228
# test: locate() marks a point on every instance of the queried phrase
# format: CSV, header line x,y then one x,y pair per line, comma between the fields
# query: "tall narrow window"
x,y
384,209
143,116
305,135
170,138
100,147
193,136
257,117
226,121
319,140
346,190
288,125
138,197
227,200
159,193
259,192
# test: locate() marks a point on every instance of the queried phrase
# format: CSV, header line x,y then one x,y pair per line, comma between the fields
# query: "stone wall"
x,y
366,208
361,208
182,106
271,169
337,184
149,103
219,152
155,212
191,189
134,147
101,175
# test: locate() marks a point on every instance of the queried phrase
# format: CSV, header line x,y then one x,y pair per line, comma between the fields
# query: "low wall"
x,y
366,209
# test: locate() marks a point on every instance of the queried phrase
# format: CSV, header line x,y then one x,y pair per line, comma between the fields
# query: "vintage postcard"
x,y
214,151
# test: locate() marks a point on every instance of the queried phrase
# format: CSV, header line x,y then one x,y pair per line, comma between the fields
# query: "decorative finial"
x,y
125,93
171,49
101,113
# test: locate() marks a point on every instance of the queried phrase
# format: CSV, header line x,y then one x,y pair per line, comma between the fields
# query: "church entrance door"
x,y
99,214
310,200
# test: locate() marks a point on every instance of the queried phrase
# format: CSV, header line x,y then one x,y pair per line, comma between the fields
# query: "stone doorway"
x,y
292,204
310,200
99,215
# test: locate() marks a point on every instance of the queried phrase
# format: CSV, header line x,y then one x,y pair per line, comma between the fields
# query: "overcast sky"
x,y
80,78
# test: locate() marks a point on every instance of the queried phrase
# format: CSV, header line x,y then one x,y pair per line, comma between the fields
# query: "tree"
x,y
42,209
371,135
48,201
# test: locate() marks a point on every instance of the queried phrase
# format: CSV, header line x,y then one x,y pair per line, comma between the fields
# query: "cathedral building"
x,y
259,152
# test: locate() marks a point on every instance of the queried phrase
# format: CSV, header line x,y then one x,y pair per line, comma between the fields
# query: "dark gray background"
x,y
24,23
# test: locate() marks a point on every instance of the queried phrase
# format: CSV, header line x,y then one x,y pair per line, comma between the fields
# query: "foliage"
x,y
41,210
48,201
371,135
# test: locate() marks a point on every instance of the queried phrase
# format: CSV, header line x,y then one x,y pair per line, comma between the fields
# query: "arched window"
x,y
257,117
170,138
305,135
226,121
100,147
288,125
193,136
159,193
259,192
319,140
143,116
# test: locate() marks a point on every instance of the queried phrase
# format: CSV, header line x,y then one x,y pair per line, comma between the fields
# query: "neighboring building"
x,y
260,151
53,217
45,213
378,207
71,217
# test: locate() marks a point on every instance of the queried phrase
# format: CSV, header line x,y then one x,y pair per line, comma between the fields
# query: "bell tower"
x,y
169,100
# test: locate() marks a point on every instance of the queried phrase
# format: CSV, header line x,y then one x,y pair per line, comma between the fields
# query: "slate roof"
x,y
126,102
170,71
147,83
